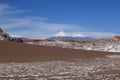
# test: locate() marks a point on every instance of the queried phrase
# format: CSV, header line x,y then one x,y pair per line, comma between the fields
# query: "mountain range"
x,y
64,36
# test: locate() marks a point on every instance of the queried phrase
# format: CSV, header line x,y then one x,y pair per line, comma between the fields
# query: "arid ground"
x,y
20,61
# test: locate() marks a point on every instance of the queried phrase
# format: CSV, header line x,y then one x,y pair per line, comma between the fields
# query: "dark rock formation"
x,y
6,37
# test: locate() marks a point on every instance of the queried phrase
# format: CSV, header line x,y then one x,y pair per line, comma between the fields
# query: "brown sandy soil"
x,y
52,63
20,52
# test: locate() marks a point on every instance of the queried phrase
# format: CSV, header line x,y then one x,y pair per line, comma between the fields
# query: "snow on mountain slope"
x,y
66,36
61,33
78,35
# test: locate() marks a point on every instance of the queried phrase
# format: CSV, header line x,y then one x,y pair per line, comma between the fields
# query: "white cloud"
x,y
6,9
37,27
16,35
55,27
99,34
4,6
30,34
14,24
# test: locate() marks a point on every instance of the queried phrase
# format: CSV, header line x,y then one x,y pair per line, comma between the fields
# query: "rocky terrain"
x,y
59,59
108,45
20,61
79,69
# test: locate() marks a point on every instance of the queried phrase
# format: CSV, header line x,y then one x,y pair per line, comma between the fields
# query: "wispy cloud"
x,y
8,10
32,28
99,34
38,27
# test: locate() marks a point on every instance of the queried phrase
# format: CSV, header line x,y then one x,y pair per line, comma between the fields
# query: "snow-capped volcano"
x,y
61,34
67,36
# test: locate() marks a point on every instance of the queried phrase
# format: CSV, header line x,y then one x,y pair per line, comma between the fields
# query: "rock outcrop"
x,y
117,38
6,37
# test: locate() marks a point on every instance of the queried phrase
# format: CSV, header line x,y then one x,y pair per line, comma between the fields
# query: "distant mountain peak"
x,y
61,33
69,36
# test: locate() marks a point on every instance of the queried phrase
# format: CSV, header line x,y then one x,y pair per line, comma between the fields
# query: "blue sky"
x,y
44,18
